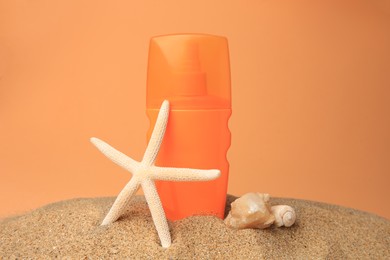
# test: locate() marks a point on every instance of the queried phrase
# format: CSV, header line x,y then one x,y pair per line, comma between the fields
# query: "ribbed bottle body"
x,y
194,139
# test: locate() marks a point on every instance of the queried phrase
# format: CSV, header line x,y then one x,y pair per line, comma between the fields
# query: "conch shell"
x,y
250,211
284,215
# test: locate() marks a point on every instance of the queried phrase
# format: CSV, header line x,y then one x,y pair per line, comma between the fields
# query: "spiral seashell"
x,y
284,215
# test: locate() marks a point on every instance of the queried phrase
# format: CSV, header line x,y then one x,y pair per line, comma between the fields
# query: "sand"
x,y
71,229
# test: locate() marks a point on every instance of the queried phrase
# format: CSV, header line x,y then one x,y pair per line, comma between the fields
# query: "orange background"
x,y
310,85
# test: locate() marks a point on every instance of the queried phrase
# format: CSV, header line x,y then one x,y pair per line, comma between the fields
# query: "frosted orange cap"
x,y
192,71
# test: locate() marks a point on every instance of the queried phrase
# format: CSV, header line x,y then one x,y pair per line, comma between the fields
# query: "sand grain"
x,y
71,228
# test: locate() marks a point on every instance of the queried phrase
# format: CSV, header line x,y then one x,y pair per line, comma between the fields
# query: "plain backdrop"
x,y
310,88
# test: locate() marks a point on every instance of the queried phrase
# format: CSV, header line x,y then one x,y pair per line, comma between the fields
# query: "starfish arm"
x,y
114,155
157,135
122,201
157,211
183,174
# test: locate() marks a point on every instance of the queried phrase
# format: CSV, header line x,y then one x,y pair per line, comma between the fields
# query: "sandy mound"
x,y
71,228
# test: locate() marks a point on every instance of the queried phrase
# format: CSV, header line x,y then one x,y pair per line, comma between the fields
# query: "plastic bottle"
x,y
192,71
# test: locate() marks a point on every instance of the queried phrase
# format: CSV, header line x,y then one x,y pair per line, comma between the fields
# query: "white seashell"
x,y
250,211
284,215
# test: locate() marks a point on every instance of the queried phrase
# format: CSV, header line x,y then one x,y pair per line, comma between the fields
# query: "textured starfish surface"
x,y
144,174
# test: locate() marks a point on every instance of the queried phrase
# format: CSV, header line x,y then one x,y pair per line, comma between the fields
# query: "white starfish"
x,y
144,174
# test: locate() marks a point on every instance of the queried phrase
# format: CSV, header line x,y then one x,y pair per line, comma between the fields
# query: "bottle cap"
x,y
192,71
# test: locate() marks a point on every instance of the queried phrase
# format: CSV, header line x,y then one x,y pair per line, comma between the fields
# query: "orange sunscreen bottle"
x,y
192,71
